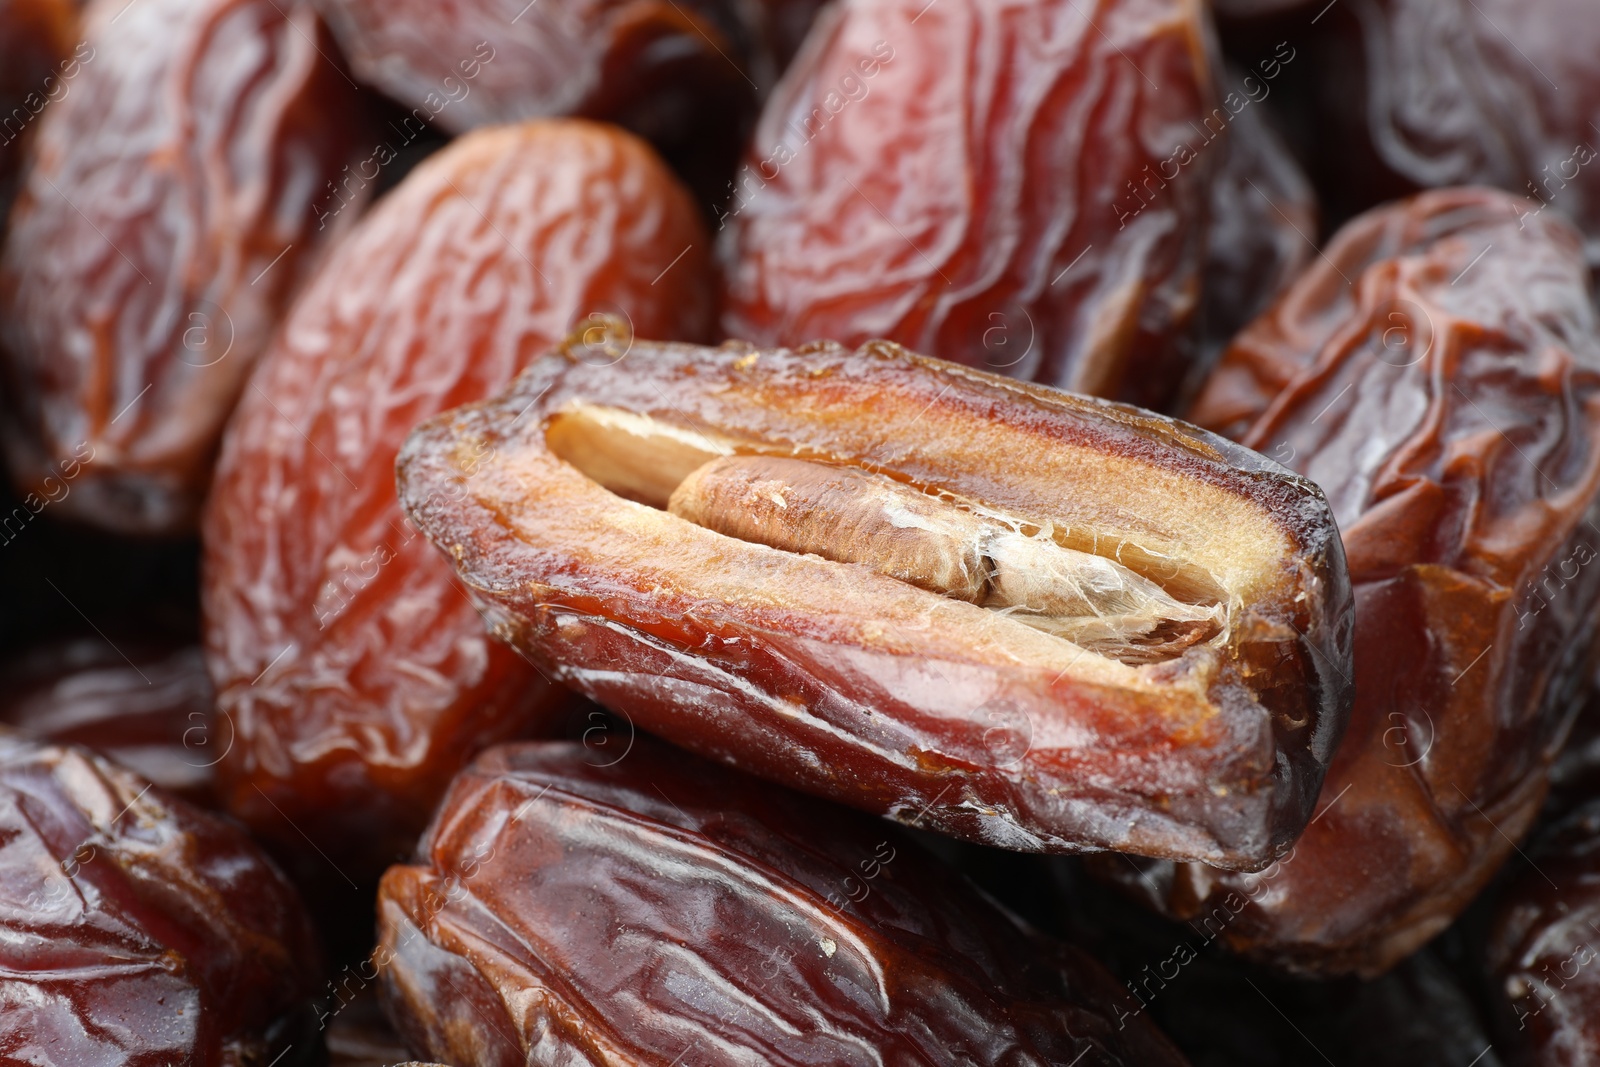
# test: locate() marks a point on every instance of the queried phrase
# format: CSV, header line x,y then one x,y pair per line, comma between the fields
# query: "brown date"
x,y
663,910
1437,373
1019,186
167,217
1541,950
353,668
147,706
808,563
1425,93
139,931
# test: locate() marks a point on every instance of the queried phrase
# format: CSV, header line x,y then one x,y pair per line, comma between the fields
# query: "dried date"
x,y
354,670
139,931
1541,950
808,563
146,706
921,175
565,912
1437,373
167,216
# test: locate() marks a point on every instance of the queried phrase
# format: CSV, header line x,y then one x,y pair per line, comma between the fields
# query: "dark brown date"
x,y
1437,373
923,174
169,212
1542,952
139,931
1424,93
664,910
146,706
809,563
354,669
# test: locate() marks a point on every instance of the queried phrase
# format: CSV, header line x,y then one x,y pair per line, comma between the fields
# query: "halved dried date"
x,y
138,930
169,213
1437,373
147,706
1542,948
924,174
563,912
354,669
851,595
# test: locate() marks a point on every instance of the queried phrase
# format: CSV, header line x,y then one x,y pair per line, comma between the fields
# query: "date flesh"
x,y
807,563
147,706
138,931
352,667
169,214
920,176
1540,951
561,911
1447,399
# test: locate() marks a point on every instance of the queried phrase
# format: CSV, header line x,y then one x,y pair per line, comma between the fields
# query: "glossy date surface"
x,y
147,706
1438,375
139,931
169,213
353,670
561,911
1018,186
807,563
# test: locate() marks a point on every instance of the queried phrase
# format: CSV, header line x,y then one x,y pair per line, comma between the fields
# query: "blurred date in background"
x,y
726,531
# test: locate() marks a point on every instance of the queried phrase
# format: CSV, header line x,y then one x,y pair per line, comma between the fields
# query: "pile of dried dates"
x,y
870,533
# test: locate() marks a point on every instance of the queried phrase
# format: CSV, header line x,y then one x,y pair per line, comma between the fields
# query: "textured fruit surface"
x,y
170,211
1437,373
565,912
353,670
1017,185
851,596
138,931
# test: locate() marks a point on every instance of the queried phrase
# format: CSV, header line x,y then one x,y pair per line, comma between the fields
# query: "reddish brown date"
x,y
146,706
564,912
354,670
809,563
139,931
169,213
1437,373
1017,186
1422,93
1542,953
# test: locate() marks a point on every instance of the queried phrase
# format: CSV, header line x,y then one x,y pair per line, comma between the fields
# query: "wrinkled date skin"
x,y
683,75
808,563
565,912
1452,415
169,213
355,672
924,174
138,931
1541,951
37,65
1424,93
146,706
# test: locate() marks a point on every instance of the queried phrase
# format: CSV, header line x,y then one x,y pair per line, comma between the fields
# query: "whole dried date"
x,y
1541,950
138,930
921,175
355,672
1437,373
1424,93
847,594
562,912
146,706
167,217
